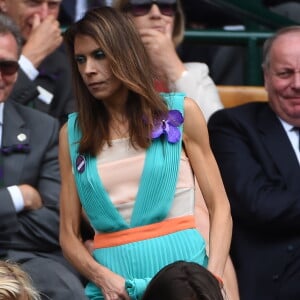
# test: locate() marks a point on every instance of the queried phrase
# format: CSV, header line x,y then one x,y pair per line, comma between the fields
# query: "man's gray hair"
x,y
7,25
270,41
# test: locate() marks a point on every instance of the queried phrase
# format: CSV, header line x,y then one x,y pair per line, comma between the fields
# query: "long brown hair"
x,y
119,40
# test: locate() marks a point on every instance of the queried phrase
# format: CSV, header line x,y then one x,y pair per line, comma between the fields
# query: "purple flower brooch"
x,y
168,127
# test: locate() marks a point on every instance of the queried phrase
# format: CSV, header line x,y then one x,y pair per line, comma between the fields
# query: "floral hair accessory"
x,y
169,126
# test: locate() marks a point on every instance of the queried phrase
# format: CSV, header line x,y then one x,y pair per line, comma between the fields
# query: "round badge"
x,y
21,137
80,163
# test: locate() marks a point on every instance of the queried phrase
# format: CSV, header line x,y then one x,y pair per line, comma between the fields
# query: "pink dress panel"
x,y
120,168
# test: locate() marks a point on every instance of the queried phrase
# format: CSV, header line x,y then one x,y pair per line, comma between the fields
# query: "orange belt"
x,y
126,236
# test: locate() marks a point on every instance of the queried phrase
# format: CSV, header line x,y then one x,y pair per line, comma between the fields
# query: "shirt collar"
x,y
287,127
1,112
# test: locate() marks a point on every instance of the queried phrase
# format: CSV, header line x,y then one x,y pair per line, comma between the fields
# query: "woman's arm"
x,y
111,284
203,163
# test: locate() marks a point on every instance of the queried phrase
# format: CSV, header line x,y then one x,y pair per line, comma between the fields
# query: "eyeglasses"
x,y
142,7
8,67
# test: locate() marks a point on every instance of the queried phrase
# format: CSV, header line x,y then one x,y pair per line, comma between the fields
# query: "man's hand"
x,y
32,198
45,37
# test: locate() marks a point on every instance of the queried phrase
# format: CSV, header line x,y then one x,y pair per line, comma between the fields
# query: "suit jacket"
x,y
67,12
261,175
35,230
54,76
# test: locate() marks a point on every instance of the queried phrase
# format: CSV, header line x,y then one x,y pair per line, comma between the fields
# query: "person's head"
x,y
15,284
183,281
10,49
155,14
281,66
110,61
24,11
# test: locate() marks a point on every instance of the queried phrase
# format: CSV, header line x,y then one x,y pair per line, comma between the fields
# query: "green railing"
x,y
252,41
260,24
254,13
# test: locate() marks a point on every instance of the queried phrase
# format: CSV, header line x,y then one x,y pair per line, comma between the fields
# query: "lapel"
x,y
14,132
278,145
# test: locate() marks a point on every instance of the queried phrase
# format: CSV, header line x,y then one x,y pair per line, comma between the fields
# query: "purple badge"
x,y
80,163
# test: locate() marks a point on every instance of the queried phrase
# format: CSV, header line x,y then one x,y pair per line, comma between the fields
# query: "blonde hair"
x,y
15,283
179,21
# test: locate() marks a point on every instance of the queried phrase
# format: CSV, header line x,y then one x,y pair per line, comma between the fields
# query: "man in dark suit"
x,y
73,10
44,80
30,183
257,149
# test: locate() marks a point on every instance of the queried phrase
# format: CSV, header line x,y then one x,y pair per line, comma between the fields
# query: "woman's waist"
x,y
140,233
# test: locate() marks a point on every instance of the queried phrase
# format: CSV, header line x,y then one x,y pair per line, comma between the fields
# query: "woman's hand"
x,y
113,286
162,52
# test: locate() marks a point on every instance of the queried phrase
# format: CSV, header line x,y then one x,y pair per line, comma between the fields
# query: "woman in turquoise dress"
x,y
128,160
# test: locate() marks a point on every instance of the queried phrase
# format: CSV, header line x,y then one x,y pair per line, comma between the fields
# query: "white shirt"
x,y
28,68
293,136
13,190
81,7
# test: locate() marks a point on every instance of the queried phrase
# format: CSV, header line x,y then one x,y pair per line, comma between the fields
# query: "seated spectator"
x,y
161,28
257,149
72,11
44,80
183,280
30,183
15,284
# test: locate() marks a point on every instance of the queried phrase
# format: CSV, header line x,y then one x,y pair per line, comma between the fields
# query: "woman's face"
x,y
159,16
94,68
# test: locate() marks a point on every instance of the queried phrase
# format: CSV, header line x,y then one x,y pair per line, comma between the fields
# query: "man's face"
x,y
8,54
23,12
282,77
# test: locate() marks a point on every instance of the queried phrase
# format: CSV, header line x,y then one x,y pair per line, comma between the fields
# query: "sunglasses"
x,y
142,7
8,67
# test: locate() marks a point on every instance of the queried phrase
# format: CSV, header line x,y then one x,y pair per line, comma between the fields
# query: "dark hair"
x,y
270,41
119,40
7,25
183,280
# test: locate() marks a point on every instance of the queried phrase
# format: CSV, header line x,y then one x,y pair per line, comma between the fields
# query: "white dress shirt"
x,y
293,136
28,68
81,7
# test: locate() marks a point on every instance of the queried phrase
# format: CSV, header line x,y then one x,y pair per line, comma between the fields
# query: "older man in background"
x,y
30,184
44,80
257,149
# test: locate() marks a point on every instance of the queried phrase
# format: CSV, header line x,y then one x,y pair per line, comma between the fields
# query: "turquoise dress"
x,y
138,261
